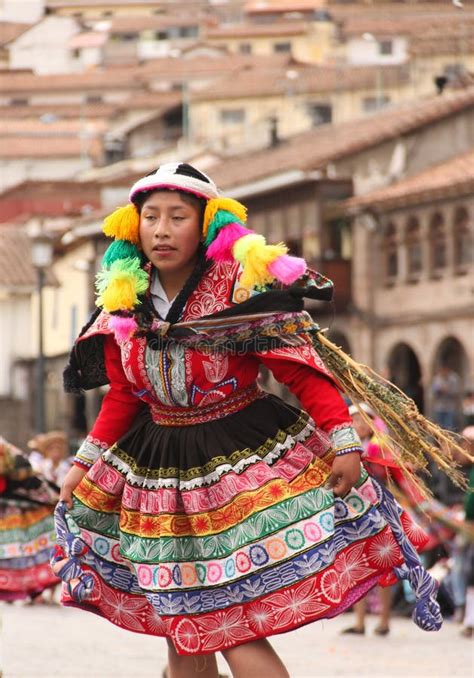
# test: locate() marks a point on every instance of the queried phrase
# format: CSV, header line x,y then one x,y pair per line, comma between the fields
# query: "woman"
x,y
26,528
200,508
50,456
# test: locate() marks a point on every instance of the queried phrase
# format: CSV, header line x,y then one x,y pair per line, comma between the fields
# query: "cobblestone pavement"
x,y
53,642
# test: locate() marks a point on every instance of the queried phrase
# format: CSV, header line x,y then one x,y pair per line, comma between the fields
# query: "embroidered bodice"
x,y
184,386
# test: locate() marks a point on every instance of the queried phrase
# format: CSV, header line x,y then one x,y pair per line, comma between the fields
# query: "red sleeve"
x,y
119,408
317,395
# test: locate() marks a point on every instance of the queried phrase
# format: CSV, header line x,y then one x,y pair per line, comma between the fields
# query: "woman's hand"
x,y
345,473
71,480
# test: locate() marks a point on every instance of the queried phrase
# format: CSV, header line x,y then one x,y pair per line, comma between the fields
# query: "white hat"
x,y
353,409
178,176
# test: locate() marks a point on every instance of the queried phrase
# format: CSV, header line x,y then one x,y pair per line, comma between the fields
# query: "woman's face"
x,y
170,231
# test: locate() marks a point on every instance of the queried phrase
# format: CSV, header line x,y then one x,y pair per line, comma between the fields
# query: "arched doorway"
x,y
405,372
340,339
449,375
451,353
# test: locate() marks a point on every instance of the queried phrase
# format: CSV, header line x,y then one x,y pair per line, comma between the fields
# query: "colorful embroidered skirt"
x,y
27,536
221,533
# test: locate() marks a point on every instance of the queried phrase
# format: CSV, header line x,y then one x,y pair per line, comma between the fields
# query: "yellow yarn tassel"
x,y
228,204
120,295
255,256
123,224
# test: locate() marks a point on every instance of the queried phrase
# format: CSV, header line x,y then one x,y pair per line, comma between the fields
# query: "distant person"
x,y
50,456
373,460
446,397
468,408
26,528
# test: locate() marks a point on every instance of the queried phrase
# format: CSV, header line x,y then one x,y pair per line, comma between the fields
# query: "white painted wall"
x,y
360,52
17,339
21,11
44,48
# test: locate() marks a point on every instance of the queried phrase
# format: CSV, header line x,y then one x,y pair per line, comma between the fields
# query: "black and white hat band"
x,y
177,176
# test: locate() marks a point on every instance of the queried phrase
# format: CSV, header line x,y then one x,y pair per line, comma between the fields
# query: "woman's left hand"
x,y
345,473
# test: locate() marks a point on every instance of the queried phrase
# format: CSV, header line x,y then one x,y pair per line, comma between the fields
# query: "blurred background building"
x,y
346,127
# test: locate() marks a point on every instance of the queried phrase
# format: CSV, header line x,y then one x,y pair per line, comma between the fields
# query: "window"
x,y
295,247
233,116
161,35
463,240
370,104
282,47
76,53
128,37
245,48
18,102
94,99
386,47
437,240
390,253
320,114
413,247
188,32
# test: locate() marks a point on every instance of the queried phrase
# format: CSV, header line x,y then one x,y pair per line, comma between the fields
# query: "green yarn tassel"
x,y
121,249
221,218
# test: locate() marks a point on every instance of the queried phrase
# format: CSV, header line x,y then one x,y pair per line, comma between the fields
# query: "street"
x,y
53,642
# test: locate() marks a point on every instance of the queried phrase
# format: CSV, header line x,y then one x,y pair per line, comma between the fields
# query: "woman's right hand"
x,y
71,480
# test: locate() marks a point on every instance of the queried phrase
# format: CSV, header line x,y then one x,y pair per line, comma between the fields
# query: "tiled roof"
x,y
31,127
445,43
316,149
47,188
32,138
88,39
11,31
86,4
395,10
16,268
15,148
127,78
269,6
61,111
139,23
311,79
258,30
452,177
124,78
158,101
416,26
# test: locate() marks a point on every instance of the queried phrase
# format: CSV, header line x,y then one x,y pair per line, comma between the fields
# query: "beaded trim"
x,y
345,440
89,452
187,416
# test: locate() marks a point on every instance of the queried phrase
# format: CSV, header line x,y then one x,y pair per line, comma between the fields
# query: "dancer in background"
x,y
26,527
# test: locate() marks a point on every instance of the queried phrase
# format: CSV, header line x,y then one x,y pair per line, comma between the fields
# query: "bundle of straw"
x,y
411,438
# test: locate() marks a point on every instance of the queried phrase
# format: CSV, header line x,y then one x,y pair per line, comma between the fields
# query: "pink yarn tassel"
x,y
122,328
287,269
221,248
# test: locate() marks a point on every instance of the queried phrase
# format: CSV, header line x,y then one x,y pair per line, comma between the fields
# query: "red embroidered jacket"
x,y
177,378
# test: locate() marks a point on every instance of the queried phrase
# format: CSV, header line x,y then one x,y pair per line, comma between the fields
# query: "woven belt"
x,y
187,416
